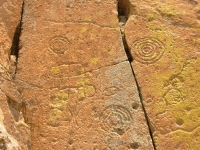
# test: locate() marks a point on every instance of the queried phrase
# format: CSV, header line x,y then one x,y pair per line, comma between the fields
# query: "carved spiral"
x,y
58,45
116,118
147,50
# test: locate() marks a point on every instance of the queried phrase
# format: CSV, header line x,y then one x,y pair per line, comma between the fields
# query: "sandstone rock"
x,y
163,38
11,119
75,78
74,87
6,141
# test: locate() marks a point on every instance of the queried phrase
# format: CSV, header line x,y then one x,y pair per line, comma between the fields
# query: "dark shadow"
x,y
15,41
16,38
123,8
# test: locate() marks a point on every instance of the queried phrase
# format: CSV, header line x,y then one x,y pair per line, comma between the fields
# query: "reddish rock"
x,y
6,141
14,133
164,41
74,75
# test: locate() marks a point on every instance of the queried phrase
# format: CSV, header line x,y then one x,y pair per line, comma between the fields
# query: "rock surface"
x,y
164,41
6,141
76,80
74,87
12,125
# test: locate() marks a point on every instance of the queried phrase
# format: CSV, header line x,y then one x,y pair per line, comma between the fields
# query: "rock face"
x,y
74,87
75,78
164,41
6,141
14,133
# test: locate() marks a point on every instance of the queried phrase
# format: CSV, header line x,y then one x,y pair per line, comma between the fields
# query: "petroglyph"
x,y
116,118
169,79
79,55
147,50
59,44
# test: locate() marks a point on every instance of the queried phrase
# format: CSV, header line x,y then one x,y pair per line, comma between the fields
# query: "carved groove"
x,y
58,44
147,50
116,118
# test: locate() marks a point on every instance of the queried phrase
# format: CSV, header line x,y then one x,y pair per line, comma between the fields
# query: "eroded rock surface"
x,y
74,85
7,142
164,40
12,125
76,80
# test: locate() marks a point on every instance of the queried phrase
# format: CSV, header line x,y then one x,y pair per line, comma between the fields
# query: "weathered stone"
x,y
11,119
74,75
7,142
164,40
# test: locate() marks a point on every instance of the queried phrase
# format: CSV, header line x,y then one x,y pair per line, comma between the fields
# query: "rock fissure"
x,y
14,98
123,15
16,38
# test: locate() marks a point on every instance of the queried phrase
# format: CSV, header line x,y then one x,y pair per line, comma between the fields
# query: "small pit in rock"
x,y
135,105
119,131
179,122
134,145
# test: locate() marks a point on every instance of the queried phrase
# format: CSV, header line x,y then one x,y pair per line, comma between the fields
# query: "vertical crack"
x,y
124,11
16,38
145,113
14,97
122,22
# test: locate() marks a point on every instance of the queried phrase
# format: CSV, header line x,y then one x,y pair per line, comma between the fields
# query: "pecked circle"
x,y
116,118
147,50
58,44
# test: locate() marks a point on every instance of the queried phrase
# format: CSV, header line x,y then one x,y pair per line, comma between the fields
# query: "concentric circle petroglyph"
x,y
116,118
58,44
147,50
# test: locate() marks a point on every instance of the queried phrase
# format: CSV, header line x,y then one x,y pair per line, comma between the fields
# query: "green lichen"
x,y
54,116
191,139
81,93
61,100
151,17
196,41
195,24
171,12
155,27
94,60
176,97
55,70
84,29
167,11
182,105
84,88
89,19
82,81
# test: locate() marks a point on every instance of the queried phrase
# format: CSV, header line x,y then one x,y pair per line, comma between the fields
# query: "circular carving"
x,y
147,50
58,45
116,118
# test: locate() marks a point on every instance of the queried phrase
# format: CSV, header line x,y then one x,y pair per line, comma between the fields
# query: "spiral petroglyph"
x,y
58,44
147,50
116,118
